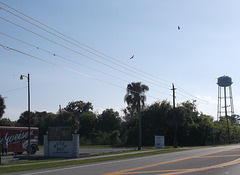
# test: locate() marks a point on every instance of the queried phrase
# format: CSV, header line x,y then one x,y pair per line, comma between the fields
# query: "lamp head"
x,y
21,77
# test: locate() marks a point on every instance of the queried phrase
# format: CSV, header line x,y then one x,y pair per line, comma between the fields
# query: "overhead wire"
x,y
183,91
78,52
70,60
131,70
13,90
79,42
68,69
65,47
84,46
57,55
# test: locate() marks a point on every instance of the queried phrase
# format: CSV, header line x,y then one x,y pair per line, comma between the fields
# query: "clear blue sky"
x,y
205,48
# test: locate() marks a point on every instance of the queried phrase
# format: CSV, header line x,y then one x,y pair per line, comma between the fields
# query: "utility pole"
x,y
60,109
229,137
175,144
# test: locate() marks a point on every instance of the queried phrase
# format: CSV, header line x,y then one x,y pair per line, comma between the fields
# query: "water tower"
x,y
225,100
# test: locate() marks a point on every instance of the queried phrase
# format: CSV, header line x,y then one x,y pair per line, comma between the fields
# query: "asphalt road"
x,y
214,161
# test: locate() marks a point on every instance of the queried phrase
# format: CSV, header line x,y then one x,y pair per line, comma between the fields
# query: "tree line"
x,y
137,126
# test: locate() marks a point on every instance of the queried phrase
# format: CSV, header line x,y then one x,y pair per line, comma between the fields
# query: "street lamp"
x,y
28,79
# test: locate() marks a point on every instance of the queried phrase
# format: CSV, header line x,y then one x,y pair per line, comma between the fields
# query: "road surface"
x,y
215,161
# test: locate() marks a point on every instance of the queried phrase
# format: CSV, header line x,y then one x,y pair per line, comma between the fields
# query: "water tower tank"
x,y
224,81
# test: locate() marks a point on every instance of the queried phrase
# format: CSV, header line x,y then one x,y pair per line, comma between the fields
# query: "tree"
x,y
87,124
6,122
43,121
78,107
108,121
23,119
175,121
190,127
2,106
204,130
135,98
67,119
128,113
154,119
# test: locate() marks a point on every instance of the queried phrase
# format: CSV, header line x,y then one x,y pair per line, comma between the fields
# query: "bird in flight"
x,y
132,57
178,28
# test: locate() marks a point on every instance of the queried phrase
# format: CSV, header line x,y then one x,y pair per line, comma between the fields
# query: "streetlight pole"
x,y
28,79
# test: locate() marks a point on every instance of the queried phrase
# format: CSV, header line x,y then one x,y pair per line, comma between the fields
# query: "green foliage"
x,y
78,107
6,122
204,130
107,128
2,106
115,138
135,96
221,130
108,121
88,121
154,120
129,132
23,119
221,135
43,121
67,119
103,138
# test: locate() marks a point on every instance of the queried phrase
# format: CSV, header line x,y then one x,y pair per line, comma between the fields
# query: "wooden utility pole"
x,y
175,144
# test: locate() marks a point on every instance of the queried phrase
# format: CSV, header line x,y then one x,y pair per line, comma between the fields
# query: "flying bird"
x,y
132,57
178,28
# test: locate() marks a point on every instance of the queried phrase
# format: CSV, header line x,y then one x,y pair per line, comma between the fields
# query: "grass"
x,y
50,163
32,161
95,146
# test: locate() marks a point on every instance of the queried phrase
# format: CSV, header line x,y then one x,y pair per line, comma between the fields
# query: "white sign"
x,y
60,148
159,142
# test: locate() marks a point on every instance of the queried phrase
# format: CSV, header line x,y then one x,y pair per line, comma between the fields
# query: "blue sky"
x,y
205,48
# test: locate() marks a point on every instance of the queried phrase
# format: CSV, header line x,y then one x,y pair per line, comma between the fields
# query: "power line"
x,y
68,69
13,90
88,48
182,90
56,55
78,52
80,42
84,48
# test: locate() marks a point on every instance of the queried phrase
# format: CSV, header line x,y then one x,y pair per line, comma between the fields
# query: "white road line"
x,y
83,166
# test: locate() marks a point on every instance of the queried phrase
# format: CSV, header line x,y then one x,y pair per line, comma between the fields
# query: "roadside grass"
x,y
50,163
32,161
96,146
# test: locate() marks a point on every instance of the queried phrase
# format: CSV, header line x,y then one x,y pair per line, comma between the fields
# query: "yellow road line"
x,y
220,156
128,171
157,171
205,168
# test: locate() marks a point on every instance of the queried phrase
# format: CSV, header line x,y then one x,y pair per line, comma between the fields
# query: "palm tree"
x,y
135,99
